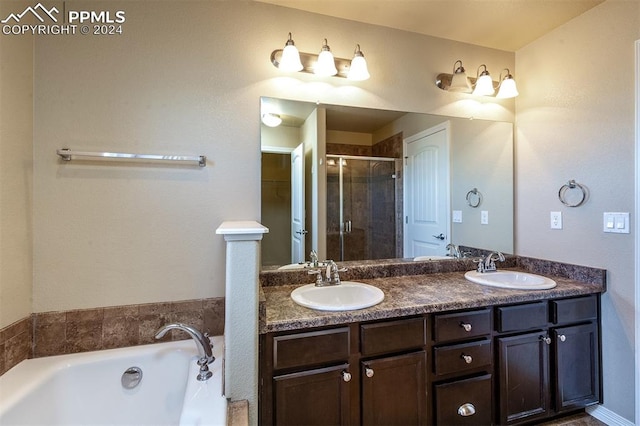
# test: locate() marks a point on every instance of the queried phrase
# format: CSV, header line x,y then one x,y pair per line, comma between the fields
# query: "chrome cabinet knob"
x,y
466,326
466,410
467,358
546,339
368,372
562,337
346,376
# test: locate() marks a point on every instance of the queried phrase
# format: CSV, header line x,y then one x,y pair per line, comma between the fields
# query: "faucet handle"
x,y
318,274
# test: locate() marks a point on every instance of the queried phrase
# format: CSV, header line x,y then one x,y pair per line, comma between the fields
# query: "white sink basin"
x,y
347,296
511,279
303,265
421,258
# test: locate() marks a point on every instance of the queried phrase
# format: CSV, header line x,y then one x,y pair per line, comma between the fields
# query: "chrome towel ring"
x,y
563,192
474,198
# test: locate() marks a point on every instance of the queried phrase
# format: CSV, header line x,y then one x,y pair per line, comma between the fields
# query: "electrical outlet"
x,y
484,217
556,220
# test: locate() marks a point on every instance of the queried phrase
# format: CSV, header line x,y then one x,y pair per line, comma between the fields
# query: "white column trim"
x,y
637,234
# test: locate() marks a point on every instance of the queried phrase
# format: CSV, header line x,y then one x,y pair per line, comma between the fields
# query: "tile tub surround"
x,y
408,293
56,333
16,342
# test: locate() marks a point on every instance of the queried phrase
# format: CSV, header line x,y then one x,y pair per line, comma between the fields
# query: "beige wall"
x,y
575,120
16,153
186,77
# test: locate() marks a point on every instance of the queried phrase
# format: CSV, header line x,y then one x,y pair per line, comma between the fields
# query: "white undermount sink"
x,y
346,296
511,279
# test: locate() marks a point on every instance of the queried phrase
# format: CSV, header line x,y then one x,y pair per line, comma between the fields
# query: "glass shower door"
x,y
361,208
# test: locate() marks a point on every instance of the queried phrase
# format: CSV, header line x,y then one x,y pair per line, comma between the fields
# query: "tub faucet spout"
x,y
203,343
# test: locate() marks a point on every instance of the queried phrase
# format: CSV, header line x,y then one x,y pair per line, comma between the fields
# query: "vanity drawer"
x,y
465,402
462,357
574,310
461,325
521,317
392,336
311,348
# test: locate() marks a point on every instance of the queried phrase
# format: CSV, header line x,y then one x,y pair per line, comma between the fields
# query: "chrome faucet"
x,y
488,264
332,274
313,256
454,250
203,342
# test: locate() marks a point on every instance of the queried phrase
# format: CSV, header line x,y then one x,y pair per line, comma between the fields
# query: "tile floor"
x,y
581,419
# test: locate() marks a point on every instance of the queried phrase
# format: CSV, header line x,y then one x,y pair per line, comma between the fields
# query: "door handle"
x,y
303,232
441,237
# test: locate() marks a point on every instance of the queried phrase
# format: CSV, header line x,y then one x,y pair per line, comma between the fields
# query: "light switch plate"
x,y
457,216
556,220
615,222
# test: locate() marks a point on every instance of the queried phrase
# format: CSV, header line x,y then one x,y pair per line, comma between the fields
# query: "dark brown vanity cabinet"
x,y
370,374
547,358
509,364
462,368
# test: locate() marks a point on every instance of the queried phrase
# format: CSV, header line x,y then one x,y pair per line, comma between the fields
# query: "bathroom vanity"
x,y
438,350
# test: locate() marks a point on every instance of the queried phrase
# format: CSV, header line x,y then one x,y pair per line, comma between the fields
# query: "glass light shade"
x,y
271,119
507,89
326,65
290,61
460,83
484,86
358,70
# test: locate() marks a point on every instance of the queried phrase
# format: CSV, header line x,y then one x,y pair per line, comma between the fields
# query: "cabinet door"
x,y
577,366
394,390
523,366
316,397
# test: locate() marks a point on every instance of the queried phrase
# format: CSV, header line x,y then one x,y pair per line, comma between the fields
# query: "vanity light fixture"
x,y
459,80
358,70
484,83
326,65
271,120
290,59
507,86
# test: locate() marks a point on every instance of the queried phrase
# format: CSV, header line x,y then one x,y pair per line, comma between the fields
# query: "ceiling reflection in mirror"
x,y
359,184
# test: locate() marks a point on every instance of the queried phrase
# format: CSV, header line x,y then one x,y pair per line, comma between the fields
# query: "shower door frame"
x,y
341,189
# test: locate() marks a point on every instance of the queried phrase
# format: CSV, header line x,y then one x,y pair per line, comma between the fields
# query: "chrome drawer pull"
x,y
346,376
466,410
466,326
467,358
368,372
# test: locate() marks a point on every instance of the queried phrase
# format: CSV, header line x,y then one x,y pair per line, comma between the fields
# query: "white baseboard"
x,y
607,416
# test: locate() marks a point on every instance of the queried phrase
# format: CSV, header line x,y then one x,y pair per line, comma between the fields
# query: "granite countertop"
x,y
407,295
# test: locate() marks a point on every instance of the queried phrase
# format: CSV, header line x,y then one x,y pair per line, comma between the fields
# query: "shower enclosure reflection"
x,y
362,208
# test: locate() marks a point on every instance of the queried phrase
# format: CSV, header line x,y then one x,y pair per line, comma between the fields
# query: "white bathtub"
x,y
85,389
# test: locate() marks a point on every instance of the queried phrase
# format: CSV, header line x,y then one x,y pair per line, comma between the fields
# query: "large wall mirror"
x,y
360,184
